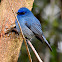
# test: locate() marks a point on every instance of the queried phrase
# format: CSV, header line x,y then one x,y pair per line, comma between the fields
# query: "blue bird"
x,y
30,25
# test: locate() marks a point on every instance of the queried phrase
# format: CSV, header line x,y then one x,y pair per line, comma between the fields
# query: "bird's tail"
x,y
43,38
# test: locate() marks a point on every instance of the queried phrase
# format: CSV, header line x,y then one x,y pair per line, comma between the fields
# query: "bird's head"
x,y
23,11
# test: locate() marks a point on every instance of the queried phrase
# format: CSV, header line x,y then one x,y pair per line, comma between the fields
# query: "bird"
x,y
30,25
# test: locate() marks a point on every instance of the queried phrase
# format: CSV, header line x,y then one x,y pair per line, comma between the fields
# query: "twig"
x,y
38,57
21,32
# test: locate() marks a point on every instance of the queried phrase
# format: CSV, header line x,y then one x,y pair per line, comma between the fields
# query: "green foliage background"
x,y
0,0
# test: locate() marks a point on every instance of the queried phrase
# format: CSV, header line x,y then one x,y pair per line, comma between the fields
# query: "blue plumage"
x,y
30,25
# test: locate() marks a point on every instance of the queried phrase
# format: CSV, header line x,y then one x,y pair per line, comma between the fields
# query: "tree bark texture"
x,y
10,43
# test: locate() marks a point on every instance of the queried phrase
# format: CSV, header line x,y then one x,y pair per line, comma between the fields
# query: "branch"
x,y
38,57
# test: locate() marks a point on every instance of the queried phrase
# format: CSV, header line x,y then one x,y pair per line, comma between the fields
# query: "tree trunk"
x,y
10,43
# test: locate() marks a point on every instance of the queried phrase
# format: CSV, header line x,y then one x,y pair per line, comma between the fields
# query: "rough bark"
x,y
10,43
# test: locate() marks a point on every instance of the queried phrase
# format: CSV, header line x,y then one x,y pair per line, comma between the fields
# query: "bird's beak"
x,y
16,12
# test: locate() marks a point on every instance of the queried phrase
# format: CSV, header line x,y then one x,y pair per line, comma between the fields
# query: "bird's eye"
x,y
22,13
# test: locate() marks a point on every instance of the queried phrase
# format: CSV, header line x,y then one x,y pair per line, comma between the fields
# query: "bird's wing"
x,y
35,27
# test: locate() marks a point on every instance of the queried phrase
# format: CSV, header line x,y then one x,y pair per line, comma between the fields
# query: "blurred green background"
x,y
49,13
0,0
